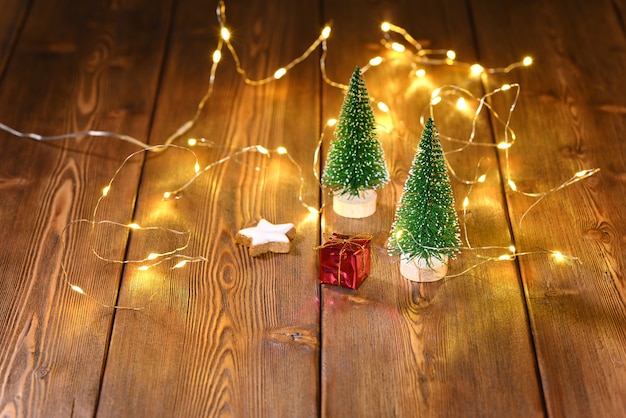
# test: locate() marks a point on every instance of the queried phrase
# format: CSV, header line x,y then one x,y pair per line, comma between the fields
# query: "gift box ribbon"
x,y
348,243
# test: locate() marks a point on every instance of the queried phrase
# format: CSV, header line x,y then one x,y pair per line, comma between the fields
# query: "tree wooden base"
x,y
417,270
360,206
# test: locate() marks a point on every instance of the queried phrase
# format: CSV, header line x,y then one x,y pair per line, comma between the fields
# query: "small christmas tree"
x,y
426,226
355,160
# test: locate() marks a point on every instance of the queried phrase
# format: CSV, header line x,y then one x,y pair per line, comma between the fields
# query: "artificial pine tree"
x,y
355,163
426,227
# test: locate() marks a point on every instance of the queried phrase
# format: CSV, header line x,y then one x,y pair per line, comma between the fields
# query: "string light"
x,y
413,51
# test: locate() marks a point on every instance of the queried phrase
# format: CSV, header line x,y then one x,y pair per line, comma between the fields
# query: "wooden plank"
x,y
234,335
460,347
75,68
11,21
570,119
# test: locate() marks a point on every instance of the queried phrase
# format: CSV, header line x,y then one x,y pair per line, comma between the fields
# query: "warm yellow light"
x,y
527,61
558,256
505,87
512,185
385,26
279,73
192,142
399,234
451,54
376,61
476,69
262,149
397,47
105,191
383,107
217,56
313,210
143,268
436,100
465,202
180,264
435,93
326,32
582,173
77,289
196,167
331,122
281,150
420,73
461,104
505,257
225,34
153,256
482,178
134,226
504,145
512,248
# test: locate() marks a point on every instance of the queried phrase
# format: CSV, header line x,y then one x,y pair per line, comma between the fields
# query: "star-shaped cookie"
x,y
267,237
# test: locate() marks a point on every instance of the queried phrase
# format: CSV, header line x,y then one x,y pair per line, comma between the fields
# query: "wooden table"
x,y
512,332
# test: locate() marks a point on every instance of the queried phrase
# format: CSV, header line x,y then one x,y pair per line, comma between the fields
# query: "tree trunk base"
x,y
360,206
417,270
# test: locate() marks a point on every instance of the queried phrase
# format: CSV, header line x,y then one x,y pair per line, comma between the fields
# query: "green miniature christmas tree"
x,y
426,225
355,160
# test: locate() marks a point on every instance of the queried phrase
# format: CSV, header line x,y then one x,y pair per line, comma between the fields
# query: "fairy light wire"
x,y
414,52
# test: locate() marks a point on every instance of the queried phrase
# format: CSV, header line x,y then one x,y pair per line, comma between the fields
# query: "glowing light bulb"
x,y
331,122
313,210
279,73
134,226
512,185
420,73
512,248
451,55
383,107
435,93
217,56
376,61
461,104
385,26
225,34
397,47
482,178
326,32
281,150
143,268
465,202
582,173
196,167
167,195
476,70
152,256
399,234
436,100
105,191
527,61
192,142
558,256
180,264
504,257
504,145
262,149
505,87
77,289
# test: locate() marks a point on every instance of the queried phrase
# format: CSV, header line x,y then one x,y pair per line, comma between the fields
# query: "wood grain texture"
x,y
11,22
394,348
72,69
570,119
235,335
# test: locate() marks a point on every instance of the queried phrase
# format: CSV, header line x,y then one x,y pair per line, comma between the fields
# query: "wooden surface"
x,y
240,336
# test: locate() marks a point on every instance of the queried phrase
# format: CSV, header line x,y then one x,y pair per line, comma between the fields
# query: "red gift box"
x,y
345,260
